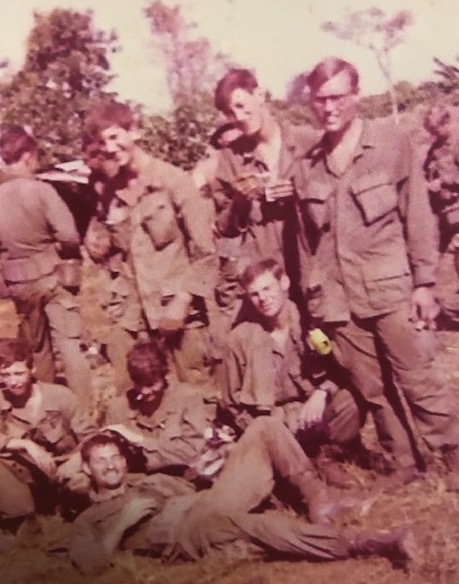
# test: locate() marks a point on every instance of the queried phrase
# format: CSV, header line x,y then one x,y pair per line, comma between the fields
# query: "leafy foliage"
x,y
192,66
66,67
373,29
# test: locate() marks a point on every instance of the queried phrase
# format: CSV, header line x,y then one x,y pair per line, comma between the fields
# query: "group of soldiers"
x,y
258,308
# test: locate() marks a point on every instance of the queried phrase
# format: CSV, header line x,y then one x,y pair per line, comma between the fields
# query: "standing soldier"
x,y
441,169
254,190
37,232
375,259
156,220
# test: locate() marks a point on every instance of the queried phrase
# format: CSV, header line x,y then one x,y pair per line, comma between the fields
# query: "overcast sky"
x,y
277,38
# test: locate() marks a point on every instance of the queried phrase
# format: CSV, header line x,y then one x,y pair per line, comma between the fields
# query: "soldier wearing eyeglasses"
x,y
368,221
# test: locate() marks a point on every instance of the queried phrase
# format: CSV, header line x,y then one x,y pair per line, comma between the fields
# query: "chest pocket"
x,y
315,199
160,220
375,196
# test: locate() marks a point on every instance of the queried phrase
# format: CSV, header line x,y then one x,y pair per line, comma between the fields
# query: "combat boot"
x,y
399,545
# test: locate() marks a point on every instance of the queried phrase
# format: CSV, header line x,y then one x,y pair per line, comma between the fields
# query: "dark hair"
x,y
13,351
15,141
147,361
101,439
252,272
329,68
234,79
105,114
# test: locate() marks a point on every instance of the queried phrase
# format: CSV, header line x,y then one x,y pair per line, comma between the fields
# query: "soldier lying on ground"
x,y
153,517
168,425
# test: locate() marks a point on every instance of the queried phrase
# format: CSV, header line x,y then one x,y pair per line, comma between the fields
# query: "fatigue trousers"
x,y
49,316
363,346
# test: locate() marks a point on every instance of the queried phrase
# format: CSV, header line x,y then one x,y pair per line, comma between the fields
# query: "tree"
x,y
66,67
374,30
192,66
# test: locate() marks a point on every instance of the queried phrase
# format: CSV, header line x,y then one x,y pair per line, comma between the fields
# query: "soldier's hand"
x,y
424,308
43,459
313,410
136,510
280,189
250,186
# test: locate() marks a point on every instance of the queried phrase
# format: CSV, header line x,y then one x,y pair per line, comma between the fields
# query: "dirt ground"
x,y
425,505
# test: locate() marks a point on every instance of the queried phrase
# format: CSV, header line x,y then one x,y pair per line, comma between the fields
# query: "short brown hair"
x,y
251,273
14,351
234,79
147,361
15,141
329,68
101,439
105,114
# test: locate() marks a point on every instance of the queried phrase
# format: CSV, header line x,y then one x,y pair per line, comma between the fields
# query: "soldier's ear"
x,y
285,282
260,94
85,468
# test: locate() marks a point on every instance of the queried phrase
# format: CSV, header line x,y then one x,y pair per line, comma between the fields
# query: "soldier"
x,y
441,169
39,422
157,222
265,362
253,189
37,232
173,431
153,516
375,259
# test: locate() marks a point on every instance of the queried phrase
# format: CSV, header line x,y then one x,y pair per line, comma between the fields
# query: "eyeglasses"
x,y
337,99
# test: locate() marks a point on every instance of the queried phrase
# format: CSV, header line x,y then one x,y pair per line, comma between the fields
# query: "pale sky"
x,y
276,38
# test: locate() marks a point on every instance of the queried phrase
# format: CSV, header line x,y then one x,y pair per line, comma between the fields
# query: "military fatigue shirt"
x,y
258,372
174,433
371,229
50,417
96,522
267,230
32,220
160,221
441,169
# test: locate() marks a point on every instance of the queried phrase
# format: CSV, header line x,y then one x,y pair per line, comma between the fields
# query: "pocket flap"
x,y
317,191
370,181
386,269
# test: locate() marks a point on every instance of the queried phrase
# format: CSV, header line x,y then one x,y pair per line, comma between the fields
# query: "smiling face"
x,y
247,109
118,144
335,103
106,466
268,294
17,380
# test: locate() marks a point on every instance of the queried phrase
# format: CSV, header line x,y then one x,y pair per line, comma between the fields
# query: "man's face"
x,y
149,392
17,379
335,103
118,144
247,109
106,466
268,294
